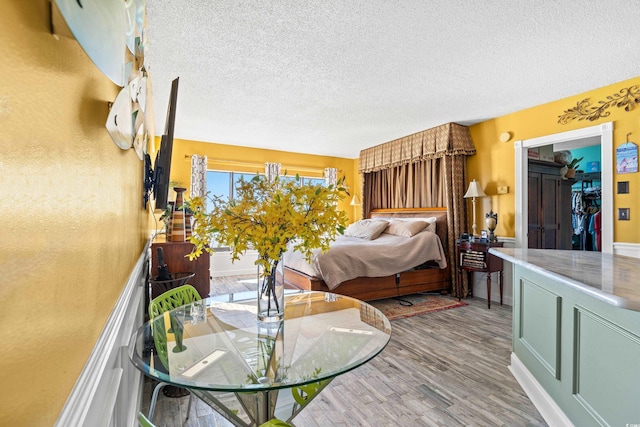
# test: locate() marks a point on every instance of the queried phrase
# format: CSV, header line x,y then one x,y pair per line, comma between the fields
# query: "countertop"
x,y
614,279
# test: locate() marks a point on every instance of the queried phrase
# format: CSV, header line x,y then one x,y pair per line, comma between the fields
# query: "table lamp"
x,y
474,191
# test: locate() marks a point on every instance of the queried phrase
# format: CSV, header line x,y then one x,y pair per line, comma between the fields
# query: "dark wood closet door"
x,y
549,208
550,200
534,231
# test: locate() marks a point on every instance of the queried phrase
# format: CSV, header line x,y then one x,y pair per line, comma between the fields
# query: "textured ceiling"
x,y
333,77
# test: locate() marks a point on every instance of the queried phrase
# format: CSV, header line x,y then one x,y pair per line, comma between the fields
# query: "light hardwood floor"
x,y
446,368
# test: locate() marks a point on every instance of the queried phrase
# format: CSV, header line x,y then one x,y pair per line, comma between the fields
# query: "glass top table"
x,y
250,371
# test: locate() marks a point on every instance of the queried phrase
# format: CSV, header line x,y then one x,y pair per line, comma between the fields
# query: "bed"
x,y
425,276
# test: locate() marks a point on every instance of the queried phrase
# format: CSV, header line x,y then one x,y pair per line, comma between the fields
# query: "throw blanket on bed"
x,y
351,257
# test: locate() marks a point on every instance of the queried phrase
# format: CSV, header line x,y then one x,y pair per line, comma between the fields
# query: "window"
x,y
223,184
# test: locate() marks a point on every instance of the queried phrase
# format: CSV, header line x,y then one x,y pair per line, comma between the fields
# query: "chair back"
x,y
144,421
173,298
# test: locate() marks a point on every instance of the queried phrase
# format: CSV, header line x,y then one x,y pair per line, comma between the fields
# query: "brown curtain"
x,y
413,185
426,169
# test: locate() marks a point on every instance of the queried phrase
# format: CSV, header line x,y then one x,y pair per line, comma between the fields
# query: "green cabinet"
x,y
583,351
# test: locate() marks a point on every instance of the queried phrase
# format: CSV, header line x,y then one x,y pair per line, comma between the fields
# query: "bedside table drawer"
x,y
473,259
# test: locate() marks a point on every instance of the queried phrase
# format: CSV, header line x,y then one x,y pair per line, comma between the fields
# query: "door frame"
x,y
567,141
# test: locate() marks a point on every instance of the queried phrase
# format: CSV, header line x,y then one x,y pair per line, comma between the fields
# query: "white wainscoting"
x,y
108,391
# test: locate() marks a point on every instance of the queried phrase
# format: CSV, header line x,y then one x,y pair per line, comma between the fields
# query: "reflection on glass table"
x,y
252,372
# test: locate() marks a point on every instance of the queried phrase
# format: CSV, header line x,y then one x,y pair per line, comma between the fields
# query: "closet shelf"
x,y
588,176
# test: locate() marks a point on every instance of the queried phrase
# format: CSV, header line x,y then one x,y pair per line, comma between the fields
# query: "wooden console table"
x,y
177,262
474,256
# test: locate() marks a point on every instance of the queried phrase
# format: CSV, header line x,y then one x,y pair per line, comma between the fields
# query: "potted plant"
x,y
572,166
268,216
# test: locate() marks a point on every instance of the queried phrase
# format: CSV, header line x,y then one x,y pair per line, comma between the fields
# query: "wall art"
x,y
626,98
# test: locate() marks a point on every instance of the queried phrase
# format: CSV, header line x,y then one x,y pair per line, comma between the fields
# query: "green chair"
x,y
275,423
173,298
144,421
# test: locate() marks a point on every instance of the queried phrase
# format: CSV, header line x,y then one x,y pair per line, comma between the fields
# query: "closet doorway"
x,y
595,135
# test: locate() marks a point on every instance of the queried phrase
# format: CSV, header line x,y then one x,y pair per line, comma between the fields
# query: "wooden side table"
x,y
474,256
177,262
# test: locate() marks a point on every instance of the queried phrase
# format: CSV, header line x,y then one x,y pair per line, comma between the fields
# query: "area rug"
x,y
414,305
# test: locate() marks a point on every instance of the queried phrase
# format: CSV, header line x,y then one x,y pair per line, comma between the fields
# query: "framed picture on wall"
x,y
627,158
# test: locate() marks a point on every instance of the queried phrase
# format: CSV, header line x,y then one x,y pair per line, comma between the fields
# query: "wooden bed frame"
x,y
401,283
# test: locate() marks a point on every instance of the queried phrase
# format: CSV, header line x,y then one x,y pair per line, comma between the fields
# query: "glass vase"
x,y
271,292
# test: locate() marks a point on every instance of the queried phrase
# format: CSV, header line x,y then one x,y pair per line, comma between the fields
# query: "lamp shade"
x,y
355,201
474,190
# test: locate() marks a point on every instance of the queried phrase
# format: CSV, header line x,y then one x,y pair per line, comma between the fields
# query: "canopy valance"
x,y
450,139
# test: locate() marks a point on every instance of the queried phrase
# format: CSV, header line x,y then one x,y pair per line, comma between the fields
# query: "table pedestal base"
x,y
256,408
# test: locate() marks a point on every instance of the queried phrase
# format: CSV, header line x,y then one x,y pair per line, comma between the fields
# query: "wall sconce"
x,y
475,190
355,202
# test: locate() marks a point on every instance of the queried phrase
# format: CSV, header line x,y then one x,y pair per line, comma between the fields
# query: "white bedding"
x,y
351,257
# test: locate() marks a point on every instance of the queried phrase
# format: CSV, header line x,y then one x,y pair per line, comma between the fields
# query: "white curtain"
x,y
271,170
198,176
331,176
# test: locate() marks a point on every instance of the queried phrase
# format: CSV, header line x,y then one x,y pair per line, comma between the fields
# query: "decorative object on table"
x,y
267,216
572,167
563,157
163,271
474,191
627,157
180,220
491,221
175,280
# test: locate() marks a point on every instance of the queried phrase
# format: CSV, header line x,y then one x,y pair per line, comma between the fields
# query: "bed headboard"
x,y
439,213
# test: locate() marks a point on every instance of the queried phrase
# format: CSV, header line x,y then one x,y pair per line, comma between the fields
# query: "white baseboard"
x,y
108,391
627,249
548,408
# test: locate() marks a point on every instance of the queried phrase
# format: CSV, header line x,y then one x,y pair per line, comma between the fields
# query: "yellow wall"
x,y
72,219
494,163
73,223
244,159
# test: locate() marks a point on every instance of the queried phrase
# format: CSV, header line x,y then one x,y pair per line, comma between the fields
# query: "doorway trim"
x,y
564,140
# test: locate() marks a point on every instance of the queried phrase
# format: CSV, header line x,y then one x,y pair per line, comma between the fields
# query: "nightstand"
x,y
474,256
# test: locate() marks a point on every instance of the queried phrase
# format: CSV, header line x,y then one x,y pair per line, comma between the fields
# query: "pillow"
x,y
431,221
368,229
405,228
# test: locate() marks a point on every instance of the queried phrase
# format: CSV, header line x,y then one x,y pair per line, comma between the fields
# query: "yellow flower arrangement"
x,y
267,216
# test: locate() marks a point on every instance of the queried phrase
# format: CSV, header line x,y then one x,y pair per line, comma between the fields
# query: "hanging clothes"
x,y
597,220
